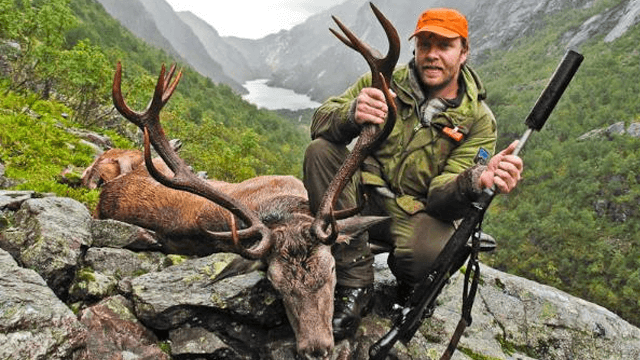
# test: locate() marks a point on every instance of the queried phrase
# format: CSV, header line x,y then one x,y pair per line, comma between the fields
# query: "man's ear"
x,y
463,56
464,53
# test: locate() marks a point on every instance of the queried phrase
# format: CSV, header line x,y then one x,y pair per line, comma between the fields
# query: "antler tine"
x,y
168,77
352,41
350,36
169,89
389,62
184,179
118,100
377,63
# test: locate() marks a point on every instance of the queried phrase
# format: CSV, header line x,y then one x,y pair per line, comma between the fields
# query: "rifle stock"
x,y
429,288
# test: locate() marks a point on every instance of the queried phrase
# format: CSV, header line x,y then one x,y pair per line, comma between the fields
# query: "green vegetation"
x,y
573,223
60,56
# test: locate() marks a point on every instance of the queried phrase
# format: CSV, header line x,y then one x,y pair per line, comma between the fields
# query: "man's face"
x,y
438,62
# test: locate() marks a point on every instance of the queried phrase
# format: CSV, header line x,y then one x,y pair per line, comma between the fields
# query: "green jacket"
x,y
423,167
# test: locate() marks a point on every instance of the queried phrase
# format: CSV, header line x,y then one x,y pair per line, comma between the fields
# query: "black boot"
x,y
350,305
404,291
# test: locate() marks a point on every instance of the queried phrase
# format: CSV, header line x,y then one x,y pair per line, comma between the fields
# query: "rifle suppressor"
x,y
552,93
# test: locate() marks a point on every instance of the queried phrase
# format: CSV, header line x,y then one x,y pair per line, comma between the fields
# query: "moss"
x,y
549,311
85,274
507,347
123,312
173,259
193,278
433,354
165,346
268,300
206,270
475,356
433,330
140,272
510,348
6,220
217,301
76,307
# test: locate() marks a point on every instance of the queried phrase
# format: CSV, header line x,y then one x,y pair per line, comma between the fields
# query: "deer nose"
x,y
317,355
316,349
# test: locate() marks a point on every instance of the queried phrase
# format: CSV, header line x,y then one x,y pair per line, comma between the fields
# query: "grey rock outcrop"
x,y
34,323
132,301
616,129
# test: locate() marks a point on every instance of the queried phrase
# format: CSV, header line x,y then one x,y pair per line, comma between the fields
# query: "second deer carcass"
x,y
116,162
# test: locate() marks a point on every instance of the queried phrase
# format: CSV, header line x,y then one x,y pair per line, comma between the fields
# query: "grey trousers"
x,y
416,239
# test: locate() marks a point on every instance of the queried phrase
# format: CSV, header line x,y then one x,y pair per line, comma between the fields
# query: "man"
x,y
423,176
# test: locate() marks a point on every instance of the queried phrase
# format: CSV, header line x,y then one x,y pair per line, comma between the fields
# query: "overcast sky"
x,y
252,19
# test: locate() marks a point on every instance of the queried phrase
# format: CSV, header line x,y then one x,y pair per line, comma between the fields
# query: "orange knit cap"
x,y
444,22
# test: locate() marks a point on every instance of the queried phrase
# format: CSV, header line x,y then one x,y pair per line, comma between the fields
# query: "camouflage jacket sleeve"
x,y
334,119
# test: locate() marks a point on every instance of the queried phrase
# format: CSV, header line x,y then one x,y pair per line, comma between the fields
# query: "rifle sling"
x,y
468,295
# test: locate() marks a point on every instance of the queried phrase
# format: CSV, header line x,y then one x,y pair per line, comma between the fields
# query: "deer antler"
x,y
184,179
371,135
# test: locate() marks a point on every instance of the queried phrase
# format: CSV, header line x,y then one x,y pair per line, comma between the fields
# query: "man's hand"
x,y
371,107
503,170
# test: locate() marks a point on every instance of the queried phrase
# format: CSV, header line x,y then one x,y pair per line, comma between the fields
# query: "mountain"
x,y
310,60
156,22
233,63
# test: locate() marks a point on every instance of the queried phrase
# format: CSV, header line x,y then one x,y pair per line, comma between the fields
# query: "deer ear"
x,y
239,266
125,165
354,226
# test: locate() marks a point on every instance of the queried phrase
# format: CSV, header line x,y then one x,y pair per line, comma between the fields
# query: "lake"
x,y
273,98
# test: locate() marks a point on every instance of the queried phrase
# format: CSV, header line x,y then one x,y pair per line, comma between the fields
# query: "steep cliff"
x,y
157,23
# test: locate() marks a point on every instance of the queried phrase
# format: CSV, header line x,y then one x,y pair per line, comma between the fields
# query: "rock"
x,y
132,303
34,323
12,200
550,323
116,234
117,334
634,129
97,141
185,292
614,129
55,229
103,268
197,341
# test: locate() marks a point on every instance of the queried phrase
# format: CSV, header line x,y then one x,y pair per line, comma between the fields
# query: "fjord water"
x,y
274,98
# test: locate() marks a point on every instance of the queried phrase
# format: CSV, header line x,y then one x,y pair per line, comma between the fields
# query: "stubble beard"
x,y
433,85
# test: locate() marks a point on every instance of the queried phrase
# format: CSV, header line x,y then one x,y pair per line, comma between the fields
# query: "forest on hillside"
x,y
573,223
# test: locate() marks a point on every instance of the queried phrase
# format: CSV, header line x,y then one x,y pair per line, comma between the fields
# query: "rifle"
x,y
455,252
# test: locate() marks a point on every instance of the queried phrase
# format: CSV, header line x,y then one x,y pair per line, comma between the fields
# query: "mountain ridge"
x,y
310,61
170,33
